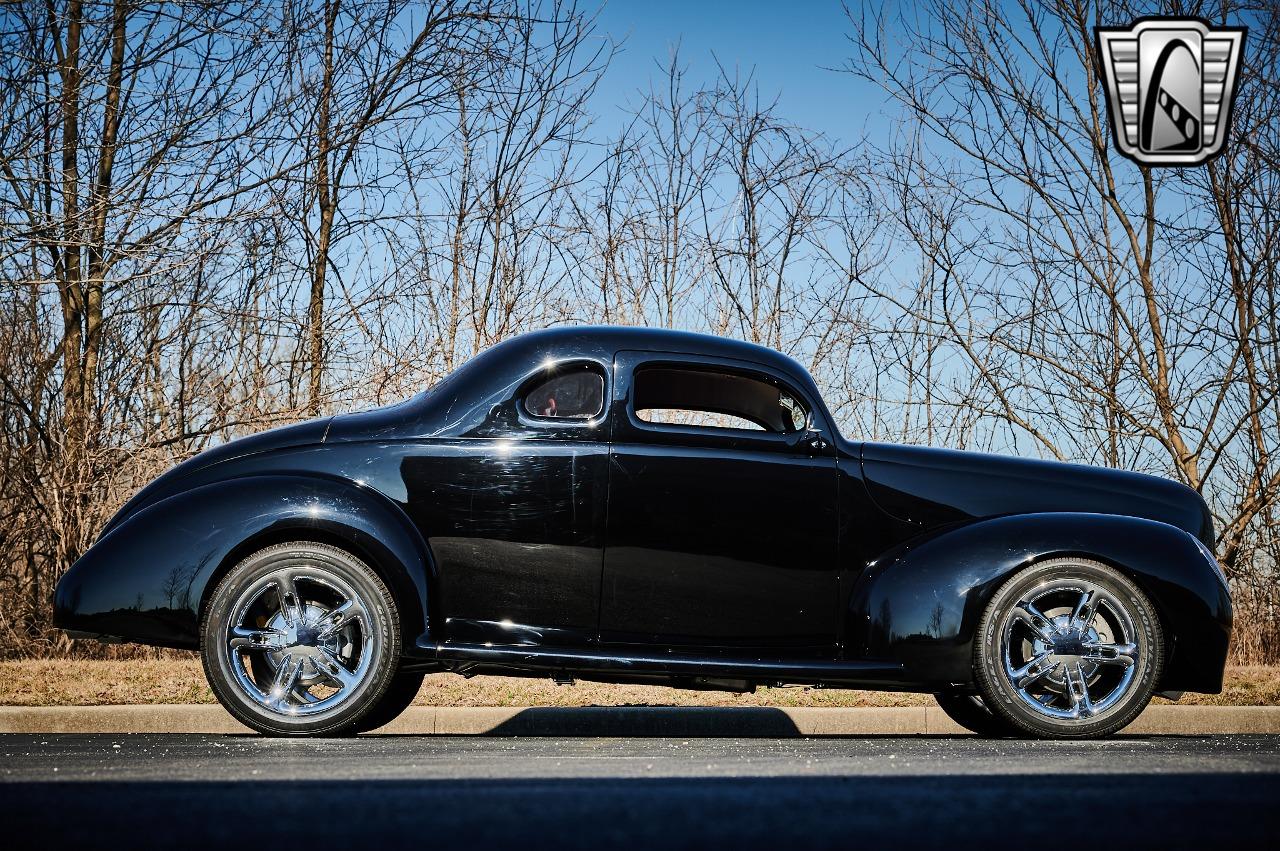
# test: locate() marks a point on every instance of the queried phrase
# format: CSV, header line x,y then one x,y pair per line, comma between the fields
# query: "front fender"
x,y
920,604
146,579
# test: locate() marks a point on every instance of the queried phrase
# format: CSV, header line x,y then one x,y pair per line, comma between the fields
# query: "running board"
x,y
623,664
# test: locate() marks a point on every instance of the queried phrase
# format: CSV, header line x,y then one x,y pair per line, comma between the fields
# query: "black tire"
x,y
303,631
396,699
970,712
1082,641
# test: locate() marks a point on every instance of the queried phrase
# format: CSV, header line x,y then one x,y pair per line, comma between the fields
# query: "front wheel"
x,y
300,639
1068,648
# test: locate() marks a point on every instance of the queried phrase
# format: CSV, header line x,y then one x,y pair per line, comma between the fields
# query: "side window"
x,y
577,394
708,398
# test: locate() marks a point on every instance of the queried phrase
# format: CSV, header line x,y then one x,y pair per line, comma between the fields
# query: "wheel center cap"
x,y
304,635
1071,644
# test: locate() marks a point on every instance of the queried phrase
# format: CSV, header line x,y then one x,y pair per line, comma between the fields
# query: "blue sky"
x,y
789,45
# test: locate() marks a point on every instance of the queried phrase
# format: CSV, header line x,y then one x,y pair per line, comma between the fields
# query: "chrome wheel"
x,y
1070,649
299,641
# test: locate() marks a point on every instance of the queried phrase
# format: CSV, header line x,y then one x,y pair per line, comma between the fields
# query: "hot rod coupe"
x,y
643,506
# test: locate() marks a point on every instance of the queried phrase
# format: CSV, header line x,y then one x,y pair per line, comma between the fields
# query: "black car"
x,y
644,506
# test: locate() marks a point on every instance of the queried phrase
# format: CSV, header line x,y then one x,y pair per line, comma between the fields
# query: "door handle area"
x,y
814,443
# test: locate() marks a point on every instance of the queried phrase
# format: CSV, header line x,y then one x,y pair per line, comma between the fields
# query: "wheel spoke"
x,y
253,638
338,619
1077,691
1112,654
1086,609
1086,698
290,600
331,667
1032,671
1027,613
285,681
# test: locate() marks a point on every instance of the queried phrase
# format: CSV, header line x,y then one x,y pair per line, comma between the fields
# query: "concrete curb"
x,y
677,721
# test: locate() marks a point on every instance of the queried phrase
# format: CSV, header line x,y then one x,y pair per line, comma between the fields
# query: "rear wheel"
x,y
301,639
1068,648
970,712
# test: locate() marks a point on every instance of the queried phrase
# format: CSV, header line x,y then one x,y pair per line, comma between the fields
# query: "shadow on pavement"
x,y
742,722
650,721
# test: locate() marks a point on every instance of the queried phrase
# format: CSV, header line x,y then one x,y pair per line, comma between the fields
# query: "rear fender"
x,y
148,578
920,604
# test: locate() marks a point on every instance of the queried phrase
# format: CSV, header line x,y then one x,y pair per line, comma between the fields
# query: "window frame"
x,y
553,369
632,363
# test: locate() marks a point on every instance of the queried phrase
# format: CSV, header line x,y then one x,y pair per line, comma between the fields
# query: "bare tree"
x,y
488,227
115,149
365,71
775,196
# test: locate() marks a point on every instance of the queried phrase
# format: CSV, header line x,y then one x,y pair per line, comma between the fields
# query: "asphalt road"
x,y
184,791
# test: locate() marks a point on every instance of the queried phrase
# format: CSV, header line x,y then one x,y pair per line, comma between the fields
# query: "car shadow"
x,y
649,721
645,722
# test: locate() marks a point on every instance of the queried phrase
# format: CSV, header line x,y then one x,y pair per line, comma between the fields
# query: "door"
x,y
722,524
514,513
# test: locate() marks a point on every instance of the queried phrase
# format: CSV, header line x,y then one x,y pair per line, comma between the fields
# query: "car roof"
x,y
587,340
467,396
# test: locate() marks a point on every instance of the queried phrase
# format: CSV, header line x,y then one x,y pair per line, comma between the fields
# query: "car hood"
x,y
932,487
171,482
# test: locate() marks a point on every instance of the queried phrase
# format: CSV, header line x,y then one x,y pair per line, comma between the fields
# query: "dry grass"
x,y
88,682
1245,685
78,682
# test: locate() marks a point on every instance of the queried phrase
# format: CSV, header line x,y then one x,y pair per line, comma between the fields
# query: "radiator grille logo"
x,y
1170,84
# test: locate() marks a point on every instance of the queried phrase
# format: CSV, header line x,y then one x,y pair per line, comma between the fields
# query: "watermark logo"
x,y
1170,84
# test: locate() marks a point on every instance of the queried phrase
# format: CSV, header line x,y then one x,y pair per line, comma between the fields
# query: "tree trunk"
x,y
325,193
71,290
99,202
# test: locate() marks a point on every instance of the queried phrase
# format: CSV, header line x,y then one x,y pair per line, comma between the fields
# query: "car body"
x,y
627,548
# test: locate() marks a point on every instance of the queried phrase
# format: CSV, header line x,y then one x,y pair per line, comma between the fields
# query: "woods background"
x,y
217,217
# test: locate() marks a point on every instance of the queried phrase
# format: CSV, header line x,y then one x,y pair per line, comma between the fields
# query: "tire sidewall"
x,y
382,619
999,694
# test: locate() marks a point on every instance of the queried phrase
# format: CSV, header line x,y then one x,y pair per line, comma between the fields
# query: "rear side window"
x,y
705,398
576,394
